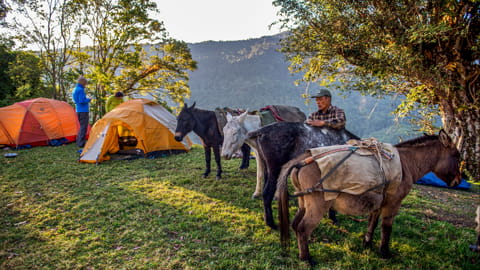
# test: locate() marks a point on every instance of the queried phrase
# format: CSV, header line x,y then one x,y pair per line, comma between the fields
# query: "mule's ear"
x,y
444,138
193,106
242,117
185,106
229,117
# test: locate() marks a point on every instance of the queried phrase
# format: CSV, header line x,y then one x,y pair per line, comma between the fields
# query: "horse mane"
x,y
199,110
417,141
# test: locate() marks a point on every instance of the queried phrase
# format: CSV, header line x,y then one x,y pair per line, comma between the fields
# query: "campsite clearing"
x,y
56,213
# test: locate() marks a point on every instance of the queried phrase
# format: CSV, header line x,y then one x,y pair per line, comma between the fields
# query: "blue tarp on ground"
x,y
432,180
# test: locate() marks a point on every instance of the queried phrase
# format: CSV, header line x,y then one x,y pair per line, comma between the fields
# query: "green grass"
x,y
56,213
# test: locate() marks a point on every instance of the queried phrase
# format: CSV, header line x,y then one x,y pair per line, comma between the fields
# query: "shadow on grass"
x,y
160,214
82,222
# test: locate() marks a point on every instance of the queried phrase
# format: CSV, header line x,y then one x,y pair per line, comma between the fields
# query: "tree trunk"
x,y
464,127
97,107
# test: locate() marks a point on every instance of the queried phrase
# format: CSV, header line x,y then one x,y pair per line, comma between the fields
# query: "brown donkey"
x,y
417,156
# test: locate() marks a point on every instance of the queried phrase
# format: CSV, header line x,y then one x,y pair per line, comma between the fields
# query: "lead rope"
x,y
385,182
373,143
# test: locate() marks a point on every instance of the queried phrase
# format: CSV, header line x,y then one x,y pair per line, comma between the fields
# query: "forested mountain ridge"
x,y
251,74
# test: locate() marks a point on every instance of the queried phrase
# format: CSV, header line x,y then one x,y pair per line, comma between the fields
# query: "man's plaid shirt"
x,y
334,117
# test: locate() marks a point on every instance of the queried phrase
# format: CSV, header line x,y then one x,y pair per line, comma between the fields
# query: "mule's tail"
x,y
283,197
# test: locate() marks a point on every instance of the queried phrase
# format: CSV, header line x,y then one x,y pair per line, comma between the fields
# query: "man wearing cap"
x,y
82,108
327,114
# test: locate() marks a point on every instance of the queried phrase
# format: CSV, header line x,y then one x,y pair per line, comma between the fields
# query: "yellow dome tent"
x,y
150,123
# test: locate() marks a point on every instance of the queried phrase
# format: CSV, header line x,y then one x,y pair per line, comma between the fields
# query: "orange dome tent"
x,y
149,122
37,122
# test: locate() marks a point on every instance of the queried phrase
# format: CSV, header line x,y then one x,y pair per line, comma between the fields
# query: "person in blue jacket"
x,y
82,108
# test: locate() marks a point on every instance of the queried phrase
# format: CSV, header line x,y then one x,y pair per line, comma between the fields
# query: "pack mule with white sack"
x,y
363,177
379,164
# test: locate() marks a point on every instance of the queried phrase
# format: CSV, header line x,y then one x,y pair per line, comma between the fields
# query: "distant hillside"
x,y
252,74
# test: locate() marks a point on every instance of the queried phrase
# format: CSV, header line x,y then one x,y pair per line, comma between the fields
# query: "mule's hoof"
x,y
310,261
204,175
367,244
385,254
256,196
218,177
273,226
243,168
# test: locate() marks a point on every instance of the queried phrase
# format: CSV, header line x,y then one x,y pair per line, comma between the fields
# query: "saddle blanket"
x,y
281,113
362,171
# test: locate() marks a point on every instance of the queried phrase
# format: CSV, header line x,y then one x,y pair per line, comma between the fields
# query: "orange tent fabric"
x,y
151,124
37,121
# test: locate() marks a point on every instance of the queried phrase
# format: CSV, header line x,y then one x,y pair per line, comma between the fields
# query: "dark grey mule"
x,y
280,142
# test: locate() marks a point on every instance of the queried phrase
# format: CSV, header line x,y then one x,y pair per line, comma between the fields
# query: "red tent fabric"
x,y
37,122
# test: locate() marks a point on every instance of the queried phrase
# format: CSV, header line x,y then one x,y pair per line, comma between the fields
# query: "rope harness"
x,y
371,144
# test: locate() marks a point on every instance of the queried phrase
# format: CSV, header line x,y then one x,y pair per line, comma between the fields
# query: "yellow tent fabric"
x,y
152,125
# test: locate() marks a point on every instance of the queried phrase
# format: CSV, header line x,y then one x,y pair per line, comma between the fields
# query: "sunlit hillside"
x,y
251,74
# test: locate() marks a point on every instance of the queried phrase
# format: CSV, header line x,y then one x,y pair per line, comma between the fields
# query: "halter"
x,y
192,115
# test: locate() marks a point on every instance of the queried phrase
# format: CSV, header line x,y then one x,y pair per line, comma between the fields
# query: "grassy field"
x,y
159,213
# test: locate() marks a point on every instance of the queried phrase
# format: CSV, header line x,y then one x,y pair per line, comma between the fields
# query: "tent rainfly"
x,y
37,122
151,125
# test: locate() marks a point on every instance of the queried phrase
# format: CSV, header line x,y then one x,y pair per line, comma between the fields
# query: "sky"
x,y
201,20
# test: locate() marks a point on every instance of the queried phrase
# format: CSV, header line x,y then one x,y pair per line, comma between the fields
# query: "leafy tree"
x,y
25,72
7,89
3,9
103,41
116,60
50,28
425,50
20,75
